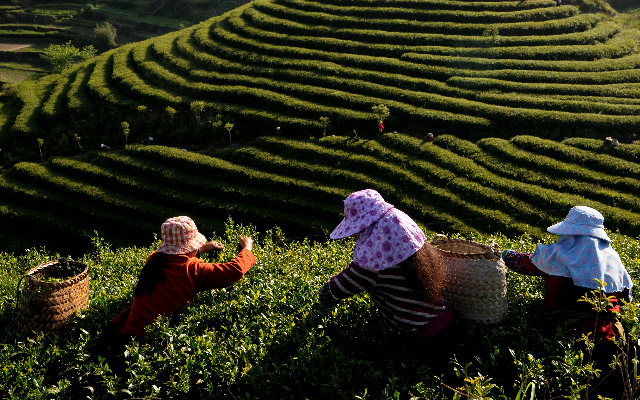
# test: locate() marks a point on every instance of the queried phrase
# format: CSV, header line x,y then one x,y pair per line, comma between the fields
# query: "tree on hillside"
x,y
125,130
325,122
104,36
61,56
172,112
40,143
229,126
197,107
380,113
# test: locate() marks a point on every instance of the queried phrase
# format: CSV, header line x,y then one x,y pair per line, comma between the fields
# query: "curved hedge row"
x,y
533,175
574,23
629,152
613,90
437,14
503,149
185,191
450,185
559,151
466,68
477,5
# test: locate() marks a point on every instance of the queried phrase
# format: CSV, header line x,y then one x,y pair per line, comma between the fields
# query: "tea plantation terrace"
x,y
451,185
464,68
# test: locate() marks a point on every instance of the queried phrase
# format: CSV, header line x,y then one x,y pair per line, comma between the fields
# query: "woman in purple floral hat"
x,y
401,271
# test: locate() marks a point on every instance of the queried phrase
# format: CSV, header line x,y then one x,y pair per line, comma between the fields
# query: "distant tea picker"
x,y
569,268
171,278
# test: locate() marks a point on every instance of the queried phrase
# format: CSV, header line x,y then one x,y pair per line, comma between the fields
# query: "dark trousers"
x,y
112,345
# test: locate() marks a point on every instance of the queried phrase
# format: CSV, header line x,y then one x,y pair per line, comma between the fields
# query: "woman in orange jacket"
x,y
171,278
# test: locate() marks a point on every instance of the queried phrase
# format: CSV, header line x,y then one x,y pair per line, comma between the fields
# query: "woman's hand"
x,y
246,242
207,247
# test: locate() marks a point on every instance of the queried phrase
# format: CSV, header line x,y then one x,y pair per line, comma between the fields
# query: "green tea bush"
x,y
473,63
326,36
214,199
54,106
551,200
30,95
436,14
100,87
547,27
444,4
629,152
359,171
526,174
78,100
267,334
559,151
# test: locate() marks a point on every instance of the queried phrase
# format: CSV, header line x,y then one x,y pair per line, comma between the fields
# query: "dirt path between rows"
x,y
11,46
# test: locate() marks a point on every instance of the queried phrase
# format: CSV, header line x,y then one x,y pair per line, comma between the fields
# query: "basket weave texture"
x,y
476,284
54,302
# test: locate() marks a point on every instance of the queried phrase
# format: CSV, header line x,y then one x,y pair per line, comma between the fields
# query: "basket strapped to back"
x,y
476,287
46,306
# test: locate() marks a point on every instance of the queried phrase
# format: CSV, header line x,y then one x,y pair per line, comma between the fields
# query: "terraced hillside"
x,y
494,68
449,186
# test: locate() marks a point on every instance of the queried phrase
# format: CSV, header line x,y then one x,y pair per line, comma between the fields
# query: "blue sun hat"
x,y
583,253
581,220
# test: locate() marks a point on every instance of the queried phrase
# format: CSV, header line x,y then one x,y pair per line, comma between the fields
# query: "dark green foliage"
x,y
465,68
629,152
560,151
267,335
450,185
104,36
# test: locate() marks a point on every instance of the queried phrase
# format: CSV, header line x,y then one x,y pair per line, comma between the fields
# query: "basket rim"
x,y
56,285
490,252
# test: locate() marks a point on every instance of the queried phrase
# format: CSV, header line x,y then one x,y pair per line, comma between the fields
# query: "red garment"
x,y
184,278
380,127
562,294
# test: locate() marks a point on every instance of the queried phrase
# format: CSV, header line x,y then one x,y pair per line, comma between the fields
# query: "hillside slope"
x,y
452,186
459,67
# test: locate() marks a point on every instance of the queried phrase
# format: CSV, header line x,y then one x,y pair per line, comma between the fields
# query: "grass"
x,y
12,73
630,18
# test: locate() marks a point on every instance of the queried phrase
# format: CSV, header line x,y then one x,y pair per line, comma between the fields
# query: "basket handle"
x,y
439,238
495,248
26,304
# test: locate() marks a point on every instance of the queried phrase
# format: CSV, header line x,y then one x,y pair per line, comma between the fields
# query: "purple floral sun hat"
x,y
581,220
361,210
387,235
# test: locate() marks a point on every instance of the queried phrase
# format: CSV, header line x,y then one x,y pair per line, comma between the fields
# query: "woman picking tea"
x,y
402,273
569,269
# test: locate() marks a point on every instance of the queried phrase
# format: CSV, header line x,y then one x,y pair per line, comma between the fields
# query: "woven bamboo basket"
x,y
46,306
476,287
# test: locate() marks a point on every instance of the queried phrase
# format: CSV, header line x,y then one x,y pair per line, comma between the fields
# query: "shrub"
x,y
104,36
61,56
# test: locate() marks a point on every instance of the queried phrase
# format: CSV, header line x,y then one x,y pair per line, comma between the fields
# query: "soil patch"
x,y
11,47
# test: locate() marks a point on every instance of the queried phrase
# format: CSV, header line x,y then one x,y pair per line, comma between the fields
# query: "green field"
x,y
39,23
471,69
267,336
518,186
520,96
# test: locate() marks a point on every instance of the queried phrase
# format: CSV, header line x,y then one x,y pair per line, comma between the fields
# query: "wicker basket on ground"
x,y
46,306
476,286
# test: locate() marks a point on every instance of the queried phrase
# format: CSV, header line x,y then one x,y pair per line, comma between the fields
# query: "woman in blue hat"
x,y
569,268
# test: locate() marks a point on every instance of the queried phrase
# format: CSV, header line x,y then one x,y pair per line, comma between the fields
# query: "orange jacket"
x,y
184,278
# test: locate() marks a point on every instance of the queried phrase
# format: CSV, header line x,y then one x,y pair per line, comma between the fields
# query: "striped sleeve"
x,y
351,281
